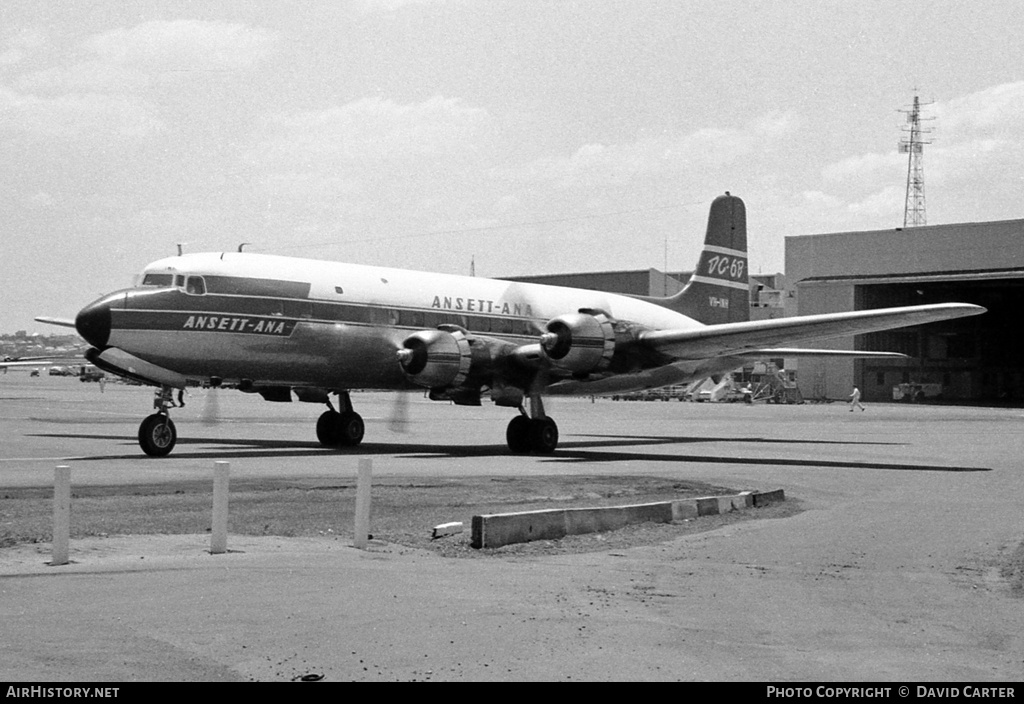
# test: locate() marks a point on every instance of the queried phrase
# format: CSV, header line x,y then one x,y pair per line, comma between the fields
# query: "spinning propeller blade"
x,y
399,420
211,408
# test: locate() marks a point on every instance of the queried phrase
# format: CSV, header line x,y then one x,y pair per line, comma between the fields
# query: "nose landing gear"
x,y
157,434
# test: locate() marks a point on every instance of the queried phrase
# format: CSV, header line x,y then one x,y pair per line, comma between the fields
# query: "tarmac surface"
x,y
906,564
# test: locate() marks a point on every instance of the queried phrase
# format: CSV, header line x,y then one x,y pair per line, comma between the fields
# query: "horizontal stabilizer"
x,y
43,362
743,339
63,322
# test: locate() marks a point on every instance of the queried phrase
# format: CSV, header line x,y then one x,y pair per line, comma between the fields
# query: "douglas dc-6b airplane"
x,y
281,326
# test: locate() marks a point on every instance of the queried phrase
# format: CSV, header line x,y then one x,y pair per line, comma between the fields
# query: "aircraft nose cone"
x,y
93,323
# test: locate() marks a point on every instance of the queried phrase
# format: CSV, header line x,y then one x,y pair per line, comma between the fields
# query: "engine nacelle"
x,y
436,358
580,342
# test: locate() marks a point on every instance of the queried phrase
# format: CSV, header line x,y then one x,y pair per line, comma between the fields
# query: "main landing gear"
x,y
340,428
532,433
157,434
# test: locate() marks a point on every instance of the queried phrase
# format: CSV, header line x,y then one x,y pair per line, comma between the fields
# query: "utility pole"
x,y
913,146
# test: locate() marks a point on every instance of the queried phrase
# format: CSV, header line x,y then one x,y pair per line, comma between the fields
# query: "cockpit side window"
x,y
195,285
179,281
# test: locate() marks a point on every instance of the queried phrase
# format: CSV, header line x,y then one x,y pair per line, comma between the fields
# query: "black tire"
x,y
350,429
335,429
518,435
543,435
327,428
157,435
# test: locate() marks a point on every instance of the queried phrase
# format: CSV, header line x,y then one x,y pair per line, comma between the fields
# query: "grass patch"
x,y
403,511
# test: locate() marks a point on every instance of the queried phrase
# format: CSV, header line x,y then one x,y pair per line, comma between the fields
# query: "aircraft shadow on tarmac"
x,y
597,448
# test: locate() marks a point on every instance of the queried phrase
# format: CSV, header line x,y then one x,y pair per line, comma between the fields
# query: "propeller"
x,y
210,414
398,422
408,358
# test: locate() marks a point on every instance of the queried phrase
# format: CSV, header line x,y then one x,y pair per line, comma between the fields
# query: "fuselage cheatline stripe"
x,y
720,282
725,250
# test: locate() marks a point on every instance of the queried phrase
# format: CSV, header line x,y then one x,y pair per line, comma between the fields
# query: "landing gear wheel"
x,y
518,435
157,435
335,429
543,435
327,428
538,435
351,429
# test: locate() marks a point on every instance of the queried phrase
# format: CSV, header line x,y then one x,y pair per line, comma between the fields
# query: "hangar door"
x,y
968,360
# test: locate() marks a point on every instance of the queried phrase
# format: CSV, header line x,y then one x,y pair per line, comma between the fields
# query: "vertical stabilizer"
x,y
718,290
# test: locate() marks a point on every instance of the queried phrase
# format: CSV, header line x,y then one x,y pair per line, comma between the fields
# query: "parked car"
x,y
90,374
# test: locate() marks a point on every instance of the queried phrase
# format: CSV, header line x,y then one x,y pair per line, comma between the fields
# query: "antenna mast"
x,y
913,146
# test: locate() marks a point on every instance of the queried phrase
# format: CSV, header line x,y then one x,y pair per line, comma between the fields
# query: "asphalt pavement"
x,y
901,567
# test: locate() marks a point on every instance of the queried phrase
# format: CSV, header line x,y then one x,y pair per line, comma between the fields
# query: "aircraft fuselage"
x,y
283,321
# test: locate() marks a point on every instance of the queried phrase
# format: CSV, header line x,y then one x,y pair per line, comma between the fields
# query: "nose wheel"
x,y
157,435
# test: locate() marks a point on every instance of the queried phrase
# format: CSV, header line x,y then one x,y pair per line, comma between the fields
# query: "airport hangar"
x,y
971,360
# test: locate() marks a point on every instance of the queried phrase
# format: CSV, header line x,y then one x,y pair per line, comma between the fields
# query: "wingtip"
x,y
971,308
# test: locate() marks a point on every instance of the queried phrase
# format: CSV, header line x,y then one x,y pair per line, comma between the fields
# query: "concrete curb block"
x,y
497,529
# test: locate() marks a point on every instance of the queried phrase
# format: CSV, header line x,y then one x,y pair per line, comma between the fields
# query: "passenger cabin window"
x,y
158,280
195,285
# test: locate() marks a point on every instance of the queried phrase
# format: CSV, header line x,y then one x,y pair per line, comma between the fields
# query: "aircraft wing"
x,y
808,352
754,338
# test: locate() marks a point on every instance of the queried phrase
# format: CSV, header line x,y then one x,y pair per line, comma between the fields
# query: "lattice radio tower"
x,y
913,146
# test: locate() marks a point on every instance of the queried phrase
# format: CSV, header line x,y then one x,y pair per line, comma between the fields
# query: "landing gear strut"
x,y
532,433
340,429
157,433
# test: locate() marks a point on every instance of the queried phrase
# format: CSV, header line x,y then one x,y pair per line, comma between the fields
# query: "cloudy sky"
x,y
532,136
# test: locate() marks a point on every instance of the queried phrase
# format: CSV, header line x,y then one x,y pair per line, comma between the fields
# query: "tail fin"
x,y
718,290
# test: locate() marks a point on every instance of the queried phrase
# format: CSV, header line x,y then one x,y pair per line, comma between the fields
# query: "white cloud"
x,y
776,124
969,135
819,199
87,116
88,76
594,165
994,111
185,45
373,130
886,203
102,98
10,57
865,167
369,7
40,200
21,45
354,157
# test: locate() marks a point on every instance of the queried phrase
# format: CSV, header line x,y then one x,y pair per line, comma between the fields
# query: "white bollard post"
x,y
362,532
61,514
219,525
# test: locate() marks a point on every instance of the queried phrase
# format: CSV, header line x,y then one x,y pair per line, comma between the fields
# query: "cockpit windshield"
x,y
158,280
195,285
